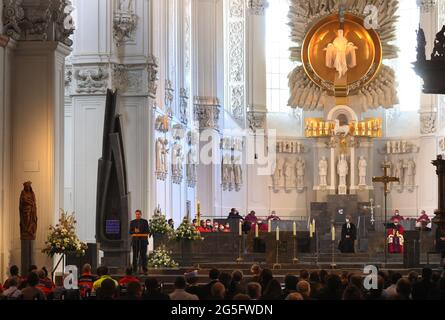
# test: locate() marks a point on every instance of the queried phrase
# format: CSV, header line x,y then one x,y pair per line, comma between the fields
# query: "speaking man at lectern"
x,y
139,242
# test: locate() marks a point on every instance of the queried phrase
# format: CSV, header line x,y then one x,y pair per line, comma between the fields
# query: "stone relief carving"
x,y
428,122
183,105
169,97
124,22
68,80
236,54
289,146
47,21
257,7
192,162
232,143
399,147
162,124
256,120
91,80
207,112
152,68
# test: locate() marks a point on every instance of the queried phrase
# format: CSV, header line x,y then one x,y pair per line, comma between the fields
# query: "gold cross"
x,y
385,179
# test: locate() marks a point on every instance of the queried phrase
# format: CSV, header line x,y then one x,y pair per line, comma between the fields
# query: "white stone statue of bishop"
x,y
340,54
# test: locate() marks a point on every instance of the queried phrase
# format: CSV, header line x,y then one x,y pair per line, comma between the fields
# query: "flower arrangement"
x,y
161,258
187,231
158,224
62,238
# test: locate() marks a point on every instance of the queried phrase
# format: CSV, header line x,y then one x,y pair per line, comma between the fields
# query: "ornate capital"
x,y
91,79
207,112
428,122
39,21
257,7
124,22
256,118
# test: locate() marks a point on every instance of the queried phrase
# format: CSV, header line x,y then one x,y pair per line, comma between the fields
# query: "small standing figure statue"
x,y
28,213
421,44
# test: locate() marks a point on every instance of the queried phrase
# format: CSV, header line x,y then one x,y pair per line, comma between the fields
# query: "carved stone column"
x,y
256,92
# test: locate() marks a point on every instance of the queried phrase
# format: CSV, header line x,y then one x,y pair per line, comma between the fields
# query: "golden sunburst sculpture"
x,y
364,55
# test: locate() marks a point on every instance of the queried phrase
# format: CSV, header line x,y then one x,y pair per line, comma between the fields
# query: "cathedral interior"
x,y
306,112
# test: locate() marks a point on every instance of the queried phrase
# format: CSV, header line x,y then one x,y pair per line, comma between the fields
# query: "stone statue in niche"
x,y
398,172
226,172
237,173
192,176
288,175
410,172
323,172
342,171
161,158
394,146
362,166
28,213
177,163
277,174
300,167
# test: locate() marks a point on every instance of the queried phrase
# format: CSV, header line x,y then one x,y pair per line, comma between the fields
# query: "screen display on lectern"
x,y
113,229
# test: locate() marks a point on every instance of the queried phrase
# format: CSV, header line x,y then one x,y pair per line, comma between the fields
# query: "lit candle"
x,y
240,228
295,229
333,233
311,229
278,233
256,230
269,226
198,205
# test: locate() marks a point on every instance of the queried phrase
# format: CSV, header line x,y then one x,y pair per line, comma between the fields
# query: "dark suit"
x,y
348,237
139,244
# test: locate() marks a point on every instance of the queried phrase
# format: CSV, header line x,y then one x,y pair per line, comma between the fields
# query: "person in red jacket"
x,y
86,281
123,282
46,285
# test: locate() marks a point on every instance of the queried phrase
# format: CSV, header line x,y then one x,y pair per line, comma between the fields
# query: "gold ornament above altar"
x,y
319,128
341,54
341,61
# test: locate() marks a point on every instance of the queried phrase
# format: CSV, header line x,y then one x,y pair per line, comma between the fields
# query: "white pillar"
x,y
353,165
333,171
256,80
208,91
37,131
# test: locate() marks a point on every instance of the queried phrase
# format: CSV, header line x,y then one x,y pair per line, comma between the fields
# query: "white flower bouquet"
x,y
62,238
161,258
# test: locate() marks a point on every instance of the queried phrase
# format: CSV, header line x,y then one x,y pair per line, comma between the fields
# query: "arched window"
x,y
277,55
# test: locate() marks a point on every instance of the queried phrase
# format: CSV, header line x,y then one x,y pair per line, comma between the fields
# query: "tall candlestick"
x,y
295,229
310,229
333,233
269,226
240,228
278,233
256,230
198,205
